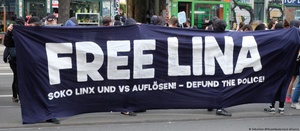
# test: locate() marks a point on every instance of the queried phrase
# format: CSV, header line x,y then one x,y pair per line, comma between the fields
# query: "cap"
x,y
51,17
34,20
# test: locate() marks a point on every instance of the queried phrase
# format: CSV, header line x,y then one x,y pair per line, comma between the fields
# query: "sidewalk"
x,y
11,116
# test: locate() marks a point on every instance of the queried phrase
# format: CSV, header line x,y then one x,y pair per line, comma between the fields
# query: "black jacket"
x,y
10,51
9,40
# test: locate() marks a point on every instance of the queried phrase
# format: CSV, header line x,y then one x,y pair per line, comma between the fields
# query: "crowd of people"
x,y
215,24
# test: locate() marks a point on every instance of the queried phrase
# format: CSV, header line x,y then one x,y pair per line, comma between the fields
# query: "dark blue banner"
x,y
67,71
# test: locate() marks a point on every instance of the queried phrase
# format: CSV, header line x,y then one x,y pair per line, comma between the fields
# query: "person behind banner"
x,y
288,98
72,22
286,24
131,21
120,17
187,24
106,21
240,27
279,94
158,20
219,26
211,22
51,20
11,58
247,27
271,25
173,22
295,97
261,26
35,21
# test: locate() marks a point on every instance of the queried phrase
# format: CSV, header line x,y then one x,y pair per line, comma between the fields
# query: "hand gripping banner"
x,y
65,71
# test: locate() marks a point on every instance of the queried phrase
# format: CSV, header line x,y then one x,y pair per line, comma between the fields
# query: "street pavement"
x,y
10,113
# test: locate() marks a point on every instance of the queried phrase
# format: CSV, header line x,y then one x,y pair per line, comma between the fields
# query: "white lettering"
x,y
204,58
174,69
85,69
60,94
249,45
114,61
213,51
197,56
140,59
55,63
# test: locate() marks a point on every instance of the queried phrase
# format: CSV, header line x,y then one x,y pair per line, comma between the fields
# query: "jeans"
x,y
296,93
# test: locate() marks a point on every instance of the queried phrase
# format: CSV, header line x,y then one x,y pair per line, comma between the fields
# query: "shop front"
x,y
201,11
294,8
33,7
90,12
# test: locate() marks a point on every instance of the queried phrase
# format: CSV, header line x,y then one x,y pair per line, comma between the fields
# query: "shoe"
x,y
288,100
53,120
15,100
281,110
270,110
223,112
209,110
128,113
295,106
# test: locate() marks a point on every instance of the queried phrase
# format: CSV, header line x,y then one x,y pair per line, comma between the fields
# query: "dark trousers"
x,y
281,104
15,89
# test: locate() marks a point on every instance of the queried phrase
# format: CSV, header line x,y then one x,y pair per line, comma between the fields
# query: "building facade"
x,y
90,12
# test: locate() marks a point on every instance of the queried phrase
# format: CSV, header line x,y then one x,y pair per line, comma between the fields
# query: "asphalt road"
x,y
288,123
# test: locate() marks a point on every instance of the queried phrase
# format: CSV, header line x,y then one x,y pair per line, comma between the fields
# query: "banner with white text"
x,y
65,71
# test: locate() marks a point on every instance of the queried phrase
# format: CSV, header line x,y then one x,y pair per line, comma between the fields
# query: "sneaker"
x,y
281,110
288,100
270,110
223,112
53,120
128,113
15,100
295,106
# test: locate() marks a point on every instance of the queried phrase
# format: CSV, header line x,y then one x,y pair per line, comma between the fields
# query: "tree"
x,y
63,10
